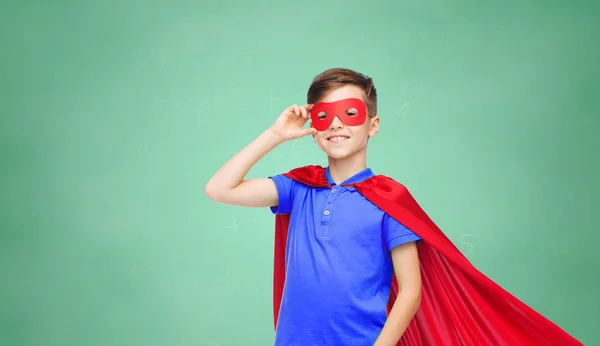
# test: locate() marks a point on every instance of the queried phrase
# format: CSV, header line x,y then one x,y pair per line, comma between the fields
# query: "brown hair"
x,y
338,77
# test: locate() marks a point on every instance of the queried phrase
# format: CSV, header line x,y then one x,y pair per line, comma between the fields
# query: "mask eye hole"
x,y
352,112
322,115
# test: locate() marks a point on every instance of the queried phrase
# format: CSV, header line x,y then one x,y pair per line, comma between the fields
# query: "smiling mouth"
x,y
337,139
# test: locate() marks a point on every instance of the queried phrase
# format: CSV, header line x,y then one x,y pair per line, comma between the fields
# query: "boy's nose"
x,y
336,123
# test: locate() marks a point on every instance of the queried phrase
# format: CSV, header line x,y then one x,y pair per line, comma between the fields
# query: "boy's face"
x,y
339,140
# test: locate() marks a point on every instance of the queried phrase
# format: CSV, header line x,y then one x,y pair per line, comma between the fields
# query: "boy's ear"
x,y
374,126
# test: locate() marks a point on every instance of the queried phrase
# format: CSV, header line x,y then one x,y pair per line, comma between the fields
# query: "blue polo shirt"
x,y
338,264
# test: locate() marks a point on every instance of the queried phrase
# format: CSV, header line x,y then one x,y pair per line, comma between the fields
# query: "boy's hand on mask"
x,y
290,122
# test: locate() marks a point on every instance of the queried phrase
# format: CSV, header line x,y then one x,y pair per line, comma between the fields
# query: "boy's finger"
x,y
308,131
290,112
304,113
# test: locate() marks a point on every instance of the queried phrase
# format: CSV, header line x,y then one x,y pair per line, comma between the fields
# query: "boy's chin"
x,y
338,154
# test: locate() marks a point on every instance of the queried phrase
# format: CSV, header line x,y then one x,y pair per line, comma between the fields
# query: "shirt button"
x,y
334,190
326,212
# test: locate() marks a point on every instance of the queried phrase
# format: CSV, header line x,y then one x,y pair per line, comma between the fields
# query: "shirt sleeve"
x,y
285,194
396,233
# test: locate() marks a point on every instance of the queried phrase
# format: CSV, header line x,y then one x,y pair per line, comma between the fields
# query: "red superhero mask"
x,y
351,112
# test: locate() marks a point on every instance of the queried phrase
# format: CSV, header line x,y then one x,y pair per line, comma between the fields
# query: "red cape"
x,y
459,305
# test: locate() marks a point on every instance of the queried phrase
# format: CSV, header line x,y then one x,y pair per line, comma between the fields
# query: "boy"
x,y
345,248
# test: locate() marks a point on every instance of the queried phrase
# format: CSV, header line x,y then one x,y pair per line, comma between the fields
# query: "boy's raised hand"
x,y
290,122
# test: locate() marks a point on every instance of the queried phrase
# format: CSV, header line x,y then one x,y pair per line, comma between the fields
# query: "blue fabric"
x,y
338,264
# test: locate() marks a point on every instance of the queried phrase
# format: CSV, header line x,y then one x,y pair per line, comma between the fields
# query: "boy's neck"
x,y
342,169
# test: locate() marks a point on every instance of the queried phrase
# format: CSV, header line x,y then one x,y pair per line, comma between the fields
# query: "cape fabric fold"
x,y
459,305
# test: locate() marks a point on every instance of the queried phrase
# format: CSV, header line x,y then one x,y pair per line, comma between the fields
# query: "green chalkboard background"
x,y
115,114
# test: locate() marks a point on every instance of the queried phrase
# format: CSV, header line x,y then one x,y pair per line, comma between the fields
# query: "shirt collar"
x,y
357,178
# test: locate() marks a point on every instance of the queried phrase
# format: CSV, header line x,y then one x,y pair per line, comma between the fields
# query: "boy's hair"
x,y
338,77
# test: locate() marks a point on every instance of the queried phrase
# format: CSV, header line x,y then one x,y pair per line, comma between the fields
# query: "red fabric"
x,y
459,305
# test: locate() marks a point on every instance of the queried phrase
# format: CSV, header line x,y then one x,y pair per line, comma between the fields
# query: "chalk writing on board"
x,y
468,242
470,248
410,89
233,224
404,110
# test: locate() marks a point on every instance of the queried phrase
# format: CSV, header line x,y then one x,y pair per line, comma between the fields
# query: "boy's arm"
x,y
228,186
405,259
